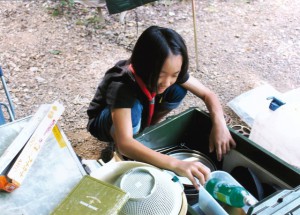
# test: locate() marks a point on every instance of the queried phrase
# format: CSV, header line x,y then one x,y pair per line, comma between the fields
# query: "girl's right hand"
x,y
192,170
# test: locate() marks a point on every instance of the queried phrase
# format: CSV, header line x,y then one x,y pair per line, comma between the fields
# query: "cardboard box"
x,y
20,155
54,173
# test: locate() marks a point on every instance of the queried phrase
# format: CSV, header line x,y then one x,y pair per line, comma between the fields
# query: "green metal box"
x,y
191,129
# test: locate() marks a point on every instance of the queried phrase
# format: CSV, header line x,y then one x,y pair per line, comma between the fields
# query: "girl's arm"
x,y
128,146
220,138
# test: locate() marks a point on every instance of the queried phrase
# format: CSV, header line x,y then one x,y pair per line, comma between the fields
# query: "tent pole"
x,y
195,33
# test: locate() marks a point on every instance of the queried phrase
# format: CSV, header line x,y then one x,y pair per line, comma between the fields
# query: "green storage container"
x,y
191,128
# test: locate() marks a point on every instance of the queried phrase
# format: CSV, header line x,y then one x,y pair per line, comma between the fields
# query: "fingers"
x,y
193,170
201,172
227,147
193,180
219,155
211,146
232,143
219,151
222,147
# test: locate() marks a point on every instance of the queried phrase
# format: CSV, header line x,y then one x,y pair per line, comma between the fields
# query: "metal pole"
x,y
11,109
195,33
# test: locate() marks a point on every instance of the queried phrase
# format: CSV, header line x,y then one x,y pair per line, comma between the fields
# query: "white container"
x,y
208,204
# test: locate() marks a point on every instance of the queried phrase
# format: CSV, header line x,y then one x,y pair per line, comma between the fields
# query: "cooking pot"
x,y
193,155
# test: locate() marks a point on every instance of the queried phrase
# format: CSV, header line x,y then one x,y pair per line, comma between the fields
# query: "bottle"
x,y
230,194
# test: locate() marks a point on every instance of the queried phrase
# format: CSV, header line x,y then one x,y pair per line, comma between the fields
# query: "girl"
x,y
140,91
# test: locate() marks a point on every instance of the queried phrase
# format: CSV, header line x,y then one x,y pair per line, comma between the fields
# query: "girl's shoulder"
x,y
120,71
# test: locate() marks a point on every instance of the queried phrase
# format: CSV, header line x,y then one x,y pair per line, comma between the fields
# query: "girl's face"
x,y
169,72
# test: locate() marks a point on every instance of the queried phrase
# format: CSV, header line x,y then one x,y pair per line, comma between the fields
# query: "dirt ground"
x,y
241,44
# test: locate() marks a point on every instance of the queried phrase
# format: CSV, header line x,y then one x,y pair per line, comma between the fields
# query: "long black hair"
x,y
152,49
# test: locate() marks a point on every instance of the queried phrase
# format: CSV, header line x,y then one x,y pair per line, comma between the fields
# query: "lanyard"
x,y
150,96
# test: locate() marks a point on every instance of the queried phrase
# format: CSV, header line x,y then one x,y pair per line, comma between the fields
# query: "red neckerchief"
x,y
150,96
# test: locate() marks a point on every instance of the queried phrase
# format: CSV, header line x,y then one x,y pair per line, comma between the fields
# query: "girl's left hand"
x,y
220,140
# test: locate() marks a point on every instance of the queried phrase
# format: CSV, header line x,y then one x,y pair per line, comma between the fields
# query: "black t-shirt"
x,y
118,89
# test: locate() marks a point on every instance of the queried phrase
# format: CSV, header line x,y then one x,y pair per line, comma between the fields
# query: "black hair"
x,y
152,49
